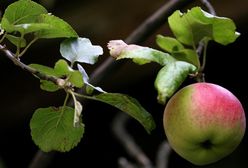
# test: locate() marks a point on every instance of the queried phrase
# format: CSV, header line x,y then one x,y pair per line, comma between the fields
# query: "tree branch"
x,y
162,158
119,129
140,34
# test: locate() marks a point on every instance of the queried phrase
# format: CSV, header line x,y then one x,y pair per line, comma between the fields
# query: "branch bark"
x,y
119,129
33,71
163,153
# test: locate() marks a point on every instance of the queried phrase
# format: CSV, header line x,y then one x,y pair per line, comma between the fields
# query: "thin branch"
x,y
163,155
119,129
204,56
28,46
211,10
33,71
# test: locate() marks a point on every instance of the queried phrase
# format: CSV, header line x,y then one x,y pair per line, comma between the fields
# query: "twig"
x,y
119,129
33,71
163,155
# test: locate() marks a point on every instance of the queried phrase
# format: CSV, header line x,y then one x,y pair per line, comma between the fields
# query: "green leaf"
x,y
44,69
180,27
223,28
63,69
22,16
80,50
57,27
169,44
44,84
31,27
24,28
187,55
17,41
170,77
177,50
48,86
140,55
52,129
23,11
129,105
196,25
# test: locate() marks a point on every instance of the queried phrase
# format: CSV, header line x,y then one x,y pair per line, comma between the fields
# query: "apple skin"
x,y
204,122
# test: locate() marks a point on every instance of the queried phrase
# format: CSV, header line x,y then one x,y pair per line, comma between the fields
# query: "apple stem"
x,y
200,77
204,56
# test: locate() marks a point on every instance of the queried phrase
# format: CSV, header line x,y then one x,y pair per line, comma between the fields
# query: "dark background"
x,y
101,21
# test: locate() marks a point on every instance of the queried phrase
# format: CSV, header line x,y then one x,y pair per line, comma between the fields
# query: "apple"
x,y
204,122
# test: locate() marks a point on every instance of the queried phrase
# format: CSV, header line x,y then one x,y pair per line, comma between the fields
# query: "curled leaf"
x,y
140,55
86,79
170,77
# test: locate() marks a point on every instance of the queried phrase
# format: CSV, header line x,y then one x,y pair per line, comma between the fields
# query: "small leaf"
x,y
196,25
52,129
86,81
170,77
44,69
44,84
57,27
17,41
48,86
187,55
129,105
63,69
140,55
169,44
80,50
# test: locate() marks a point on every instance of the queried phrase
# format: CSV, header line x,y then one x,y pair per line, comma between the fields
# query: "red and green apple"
x,y
204,122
